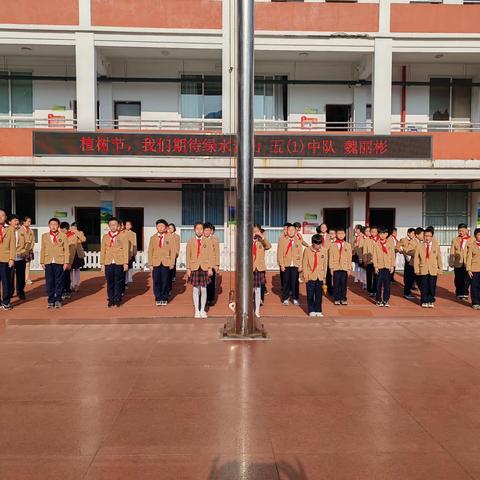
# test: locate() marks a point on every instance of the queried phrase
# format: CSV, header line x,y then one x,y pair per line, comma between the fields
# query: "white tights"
x,y
258,298
75,277
199,298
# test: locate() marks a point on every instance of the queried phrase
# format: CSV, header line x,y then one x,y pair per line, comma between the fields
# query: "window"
x,y
270,100
201,96
445,206
16,94
127,114
450,99
204,203
6,197
270,205
19,200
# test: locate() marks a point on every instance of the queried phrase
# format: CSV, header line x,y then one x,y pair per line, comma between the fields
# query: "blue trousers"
x,y
384,279
115,277
428,287
314,295
54,281
18,277
161,276
5,279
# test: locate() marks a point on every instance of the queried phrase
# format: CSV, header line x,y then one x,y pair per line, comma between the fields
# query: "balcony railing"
x,y
28,121
436,126
312,124
161,124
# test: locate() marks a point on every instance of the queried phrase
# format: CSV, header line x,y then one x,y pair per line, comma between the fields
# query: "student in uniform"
x,y
406,247
340,263
384,264
17,279
332,238
282,237
72,249
473,268
314,268
200,259
172,229
290,263
457,260
114,257
264,286
260,245
79,258
322,230
7,259
368,248
55,260
298,228
132,244
393,237
30,239
161,258
209,234
427,262
359,272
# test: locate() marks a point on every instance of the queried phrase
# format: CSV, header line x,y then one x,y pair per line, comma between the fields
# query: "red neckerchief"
x,y
26,228
395,240
113,237
70,234
427,247
199,246
1,233
478,243
290,244
299,236
340,243
55,237
254,249
315,260
464,240
376,238
383,243
160,239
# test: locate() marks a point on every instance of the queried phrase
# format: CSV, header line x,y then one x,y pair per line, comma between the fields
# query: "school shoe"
x,y
110,304
164,303
431,305
425,305
21,296
28,282
386,304
379,304
58,304
343,302
118,304
476,307
7,306
158,304
296,302
409,297
312,314
257,315
336,302
51,305
285,302
203,314
319,314
197,314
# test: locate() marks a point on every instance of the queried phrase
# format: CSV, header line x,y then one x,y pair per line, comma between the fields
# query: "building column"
x,y
360,108
86,71
382,86
384,16
358,206
105,97
475,207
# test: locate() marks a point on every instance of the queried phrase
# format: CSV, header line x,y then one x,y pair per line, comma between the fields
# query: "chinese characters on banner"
x,y
204,145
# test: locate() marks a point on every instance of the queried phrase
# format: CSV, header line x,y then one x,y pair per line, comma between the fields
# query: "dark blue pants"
x,y
290,283
18,278
161,277
115,282
67,287
5,279
329,282
408,279
211,287
428,288
340,278
173,274
475,288
54,281
314,295
371,278
462,281
384,279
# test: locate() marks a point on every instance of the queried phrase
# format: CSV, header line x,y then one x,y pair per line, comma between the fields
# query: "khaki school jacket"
x,y
308,261
29,240
294,253
118,253
80,239
176,243
54,252
132,242
432,266
367,253
337,261
21,243
205,259
472,261
8,246
72,246
458,255
406,246
382,259
259,258
161,256
216,250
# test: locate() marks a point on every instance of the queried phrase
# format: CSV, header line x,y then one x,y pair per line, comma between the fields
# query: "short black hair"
x,y
419,230
208,225
74,224
197,223
161,220
297,225
462,225
476,231
358,226
172,225
317,239
383,230
13,216
257,225
3,210
340,229
286,224
373,226
113,219
65,225
430,230
25,218
410,230
54,219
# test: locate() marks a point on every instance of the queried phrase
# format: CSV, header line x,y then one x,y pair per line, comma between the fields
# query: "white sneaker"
x,y
257,315
312,314
425,305
431,305
319,314
203,314
295,302
197,314
285,302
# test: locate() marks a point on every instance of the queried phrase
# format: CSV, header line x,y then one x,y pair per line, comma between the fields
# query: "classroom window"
x,y
270,205
445,206
203,203
16,95
450,99
201,96
25,201
6,197
270,99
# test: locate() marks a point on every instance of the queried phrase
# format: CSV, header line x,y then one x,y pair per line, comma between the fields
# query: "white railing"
x,y
436,126
162,124
312,124
26,121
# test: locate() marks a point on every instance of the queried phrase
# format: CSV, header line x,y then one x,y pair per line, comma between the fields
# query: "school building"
x,y
386,78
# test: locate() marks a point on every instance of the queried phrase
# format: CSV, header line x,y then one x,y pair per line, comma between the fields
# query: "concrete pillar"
x,y
384,16
382,86
360,108
475,207
358,202
86,71
84,13
105,97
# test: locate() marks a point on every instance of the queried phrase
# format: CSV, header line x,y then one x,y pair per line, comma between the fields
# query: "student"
x,y
457,260
357,258
55,260
264,286
72,248
114,257
7,259
17,272
427,262
172,229
393,237
314,268
340,263
368,260
290,262
282,237
161,258
298,228
200,261
472,265
209,234
30,239
384,264
406,246
132,250
322,230
79,258
260,245
332,238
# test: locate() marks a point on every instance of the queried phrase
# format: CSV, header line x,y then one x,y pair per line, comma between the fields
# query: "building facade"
x,y
356,68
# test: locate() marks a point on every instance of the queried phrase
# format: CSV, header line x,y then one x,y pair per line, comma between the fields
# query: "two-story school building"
x,y
356,70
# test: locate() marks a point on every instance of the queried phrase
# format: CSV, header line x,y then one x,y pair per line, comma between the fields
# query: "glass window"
x,y
213,97
25,201
461,99
270,205
440,99
450,99
203,203
201,96
4,97
6,197
270,99
22,94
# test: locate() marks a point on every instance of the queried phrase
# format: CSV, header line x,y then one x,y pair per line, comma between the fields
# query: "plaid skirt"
x,y
258,279
77,262
199,278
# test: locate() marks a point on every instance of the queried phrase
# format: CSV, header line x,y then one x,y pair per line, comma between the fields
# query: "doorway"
x,y
338,117
127,114
134,215
88,219
337,218
382,217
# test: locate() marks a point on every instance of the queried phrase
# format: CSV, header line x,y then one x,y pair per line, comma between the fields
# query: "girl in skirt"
x,y
260,245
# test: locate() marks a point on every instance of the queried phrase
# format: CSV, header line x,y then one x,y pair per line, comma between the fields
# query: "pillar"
x,y
475,207
86,71
360,108
382,86
358,208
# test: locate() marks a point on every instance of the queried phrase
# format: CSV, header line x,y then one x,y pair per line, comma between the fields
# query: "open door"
x,y
134,215
382,217
337,218
338,117
88,219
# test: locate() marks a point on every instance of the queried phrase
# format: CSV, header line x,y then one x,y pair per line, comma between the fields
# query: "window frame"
x,y
10,99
